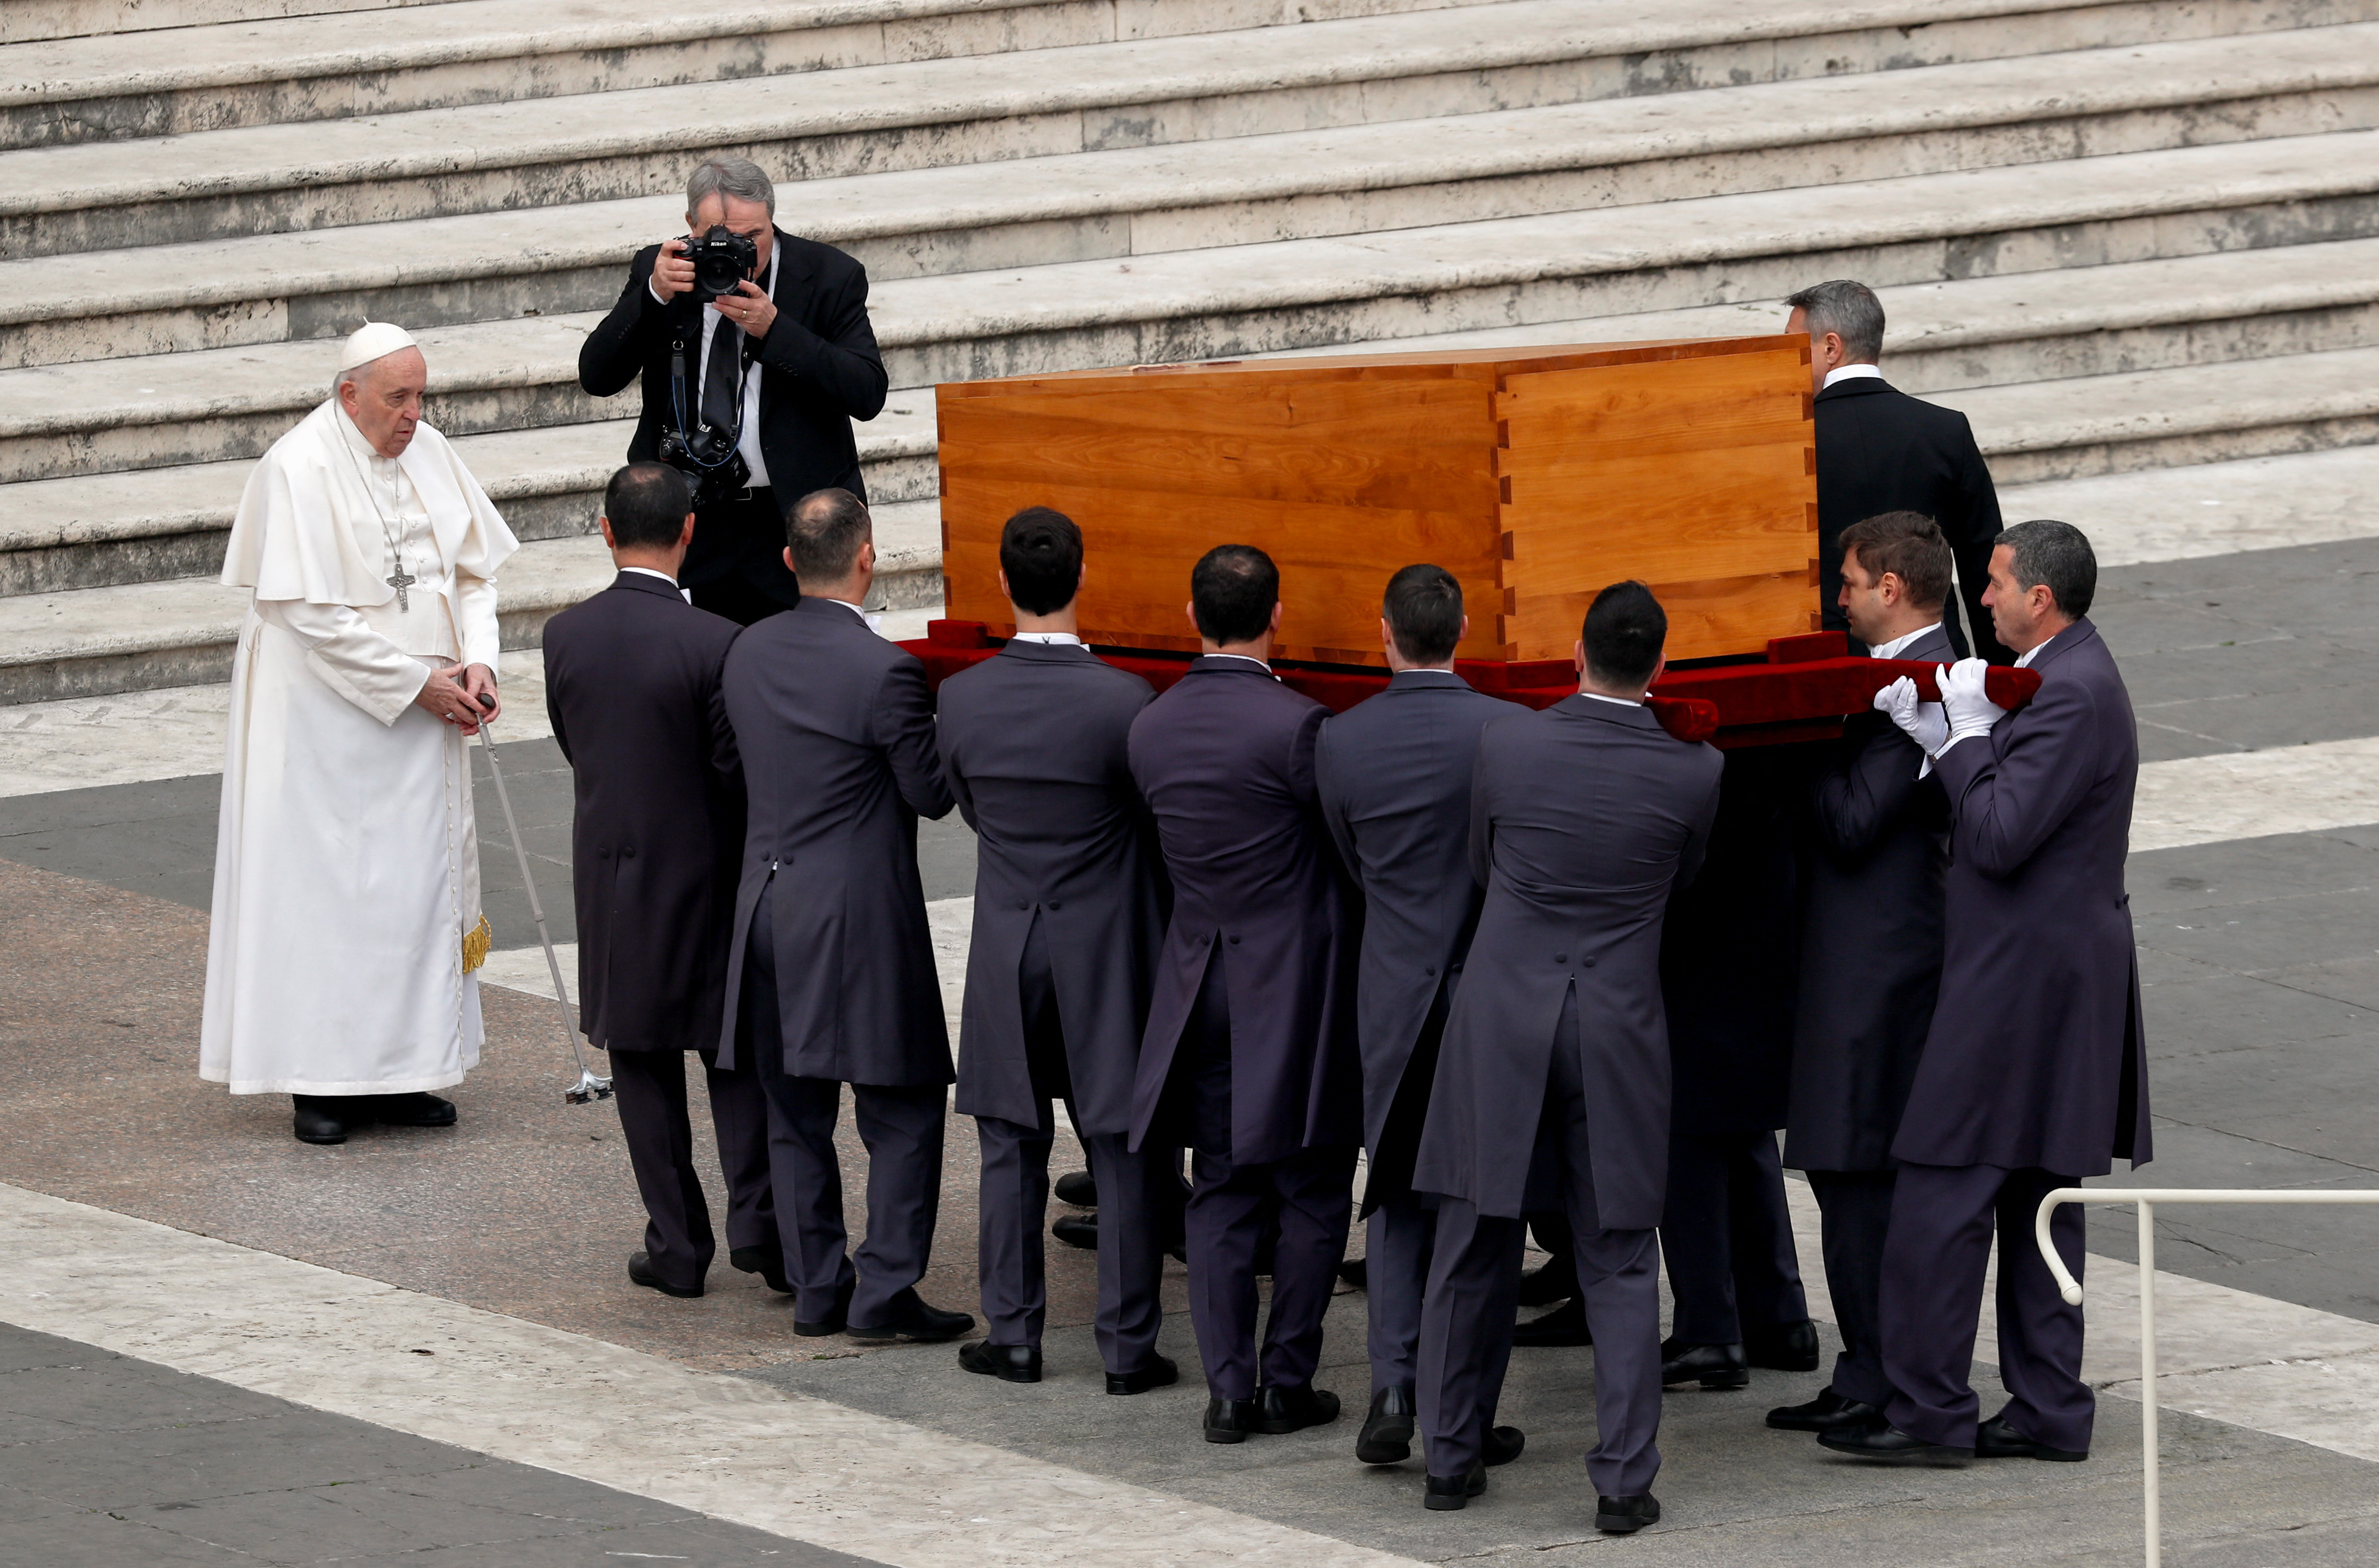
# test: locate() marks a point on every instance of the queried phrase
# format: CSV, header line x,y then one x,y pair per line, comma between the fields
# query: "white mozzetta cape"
x,y
347,901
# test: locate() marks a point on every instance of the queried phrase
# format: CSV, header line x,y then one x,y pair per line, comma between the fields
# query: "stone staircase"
x,y
2118,234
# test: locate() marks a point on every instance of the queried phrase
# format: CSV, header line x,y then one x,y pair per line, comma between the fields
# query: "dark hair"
x,y
1910,547
1041,550
1626,629
1849,311
825,530
2058,554
1423,608
1232,591
645,504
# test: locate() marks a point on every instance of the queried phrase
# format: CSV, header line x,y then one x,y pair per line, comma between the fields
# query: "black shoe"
x,y
1783,1347
1294,1409
1565,1324
1995,1439
1825,1412
640,1272
1078,1187
1453,1491
1387,1434
768,1262
1160,1373
1230,1420
1503,1445
910,1319
1356,1272
1008,1363
1077,1230
1876,1439
412,1110
1625,1515
1557,1281
316,1124
1712,1366
830,1321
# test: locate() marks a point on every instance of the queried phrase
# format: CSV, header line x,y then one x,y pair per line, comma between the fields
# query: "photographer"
x,y
756,354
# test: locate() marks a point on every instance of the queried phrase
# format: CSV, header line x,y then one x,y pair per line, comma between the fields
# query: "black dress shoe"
x,y
1712,1366
1387,1434
1077,1230
1877,1439
1565,1324
1503,1445
640,1272
1453,1491
1230,1420
314,1122
829,1321
1556,1281
1625,1515
910,1319
1356,1272
1783,1347
412,1110
1294,1409
1160,1373
1827,1411
1995,1439
1008,1363
1078,1187
768,1262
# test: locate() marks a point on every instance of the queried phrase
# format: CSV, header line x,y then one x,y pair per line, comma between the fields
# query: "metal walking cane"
x,y
588,1087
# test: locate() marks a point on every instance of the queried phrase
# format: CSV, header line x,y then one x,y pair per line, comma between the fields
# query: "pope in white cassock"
x,y
346,904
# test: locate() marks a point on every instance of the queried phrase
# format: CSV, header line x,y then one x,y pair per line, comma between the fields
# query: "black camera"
x,y
720,261
707,458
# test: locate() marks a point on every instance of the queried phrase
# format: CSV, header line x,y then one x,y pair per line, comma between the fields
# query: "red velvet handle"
x,y
2004,684
1687,719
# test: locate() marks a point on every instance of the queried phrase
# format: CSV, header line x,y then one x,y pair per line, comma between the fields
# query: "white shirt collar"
x,y
685,594
1892,649
2023,660
1448,674
1054,639
1249,658
1850,373
1618,702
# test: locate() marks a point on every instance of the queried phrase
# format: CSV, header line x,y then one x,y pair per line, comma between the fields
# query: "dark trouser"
x,y
901,1127
1942,1221
649,1087
1856,1207
736,565
1474,1279
1309,1196
1396,1253
1727,1236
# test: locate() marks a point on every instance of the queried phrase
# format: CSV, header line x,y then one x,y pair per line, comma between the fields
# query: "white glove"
x,y
1922,721
1970,712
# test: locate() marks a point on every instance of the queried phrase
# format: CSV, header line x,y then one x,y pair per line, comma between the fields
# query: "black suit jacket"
x,y
1395,778
820,370
1880,449
1034,743
836,730
1871,941
632,680
1225,759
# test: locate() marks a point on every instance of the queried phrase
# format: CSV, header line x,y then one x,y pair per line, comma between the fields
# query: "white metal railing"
x,y
2147,1198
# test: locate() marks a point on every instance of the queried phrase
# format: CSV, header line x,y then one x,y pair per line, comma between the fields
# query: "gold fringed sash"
x,y
475,943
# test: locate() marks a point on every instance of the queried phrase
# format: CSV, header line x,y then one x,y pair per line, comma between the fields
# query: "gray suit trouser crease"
x,y
901,1127
1468,1305
649,1087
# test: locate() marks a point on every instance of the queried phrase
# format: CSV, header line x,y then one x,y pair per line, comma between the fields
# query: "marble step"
x,y
76,424
271,69
1030,105
24,21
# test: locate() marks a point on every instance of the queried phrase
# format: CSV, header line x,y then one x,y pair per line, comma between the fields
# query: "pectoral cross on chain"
x,y
401,581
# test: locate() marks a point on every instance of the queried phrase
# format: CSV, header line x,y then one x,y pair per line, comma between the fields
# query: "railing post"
x,y
2149,1443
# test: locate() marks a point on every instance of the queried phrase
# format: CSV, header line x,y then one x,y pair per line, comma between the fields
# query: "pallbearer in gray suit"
x,y
1068,916
836,966
1870,946
1395,775
2034,1072
1583,818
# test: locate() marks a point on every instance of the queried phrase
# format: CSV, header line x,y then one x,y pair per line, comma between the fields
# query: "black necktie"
x,y
722,377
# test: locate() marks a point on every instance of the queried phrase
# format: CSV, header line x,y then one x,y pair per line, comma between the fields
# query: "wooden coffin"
x,y
1536,476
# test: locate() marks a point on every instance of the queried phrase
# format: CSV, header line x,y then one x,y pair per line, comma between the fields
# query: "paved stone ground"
x,y
107,1462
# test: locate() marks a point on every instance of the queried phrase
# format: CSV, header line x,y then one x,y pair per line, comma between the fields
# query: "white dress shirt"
x,y
1891,649
1065,639
2023,660
1622,702
750,443
687,593
1850,373
1259,664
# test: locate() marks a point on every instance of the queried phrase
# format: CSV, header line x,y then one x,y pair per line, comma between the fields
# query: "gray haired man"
x,y
749,391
